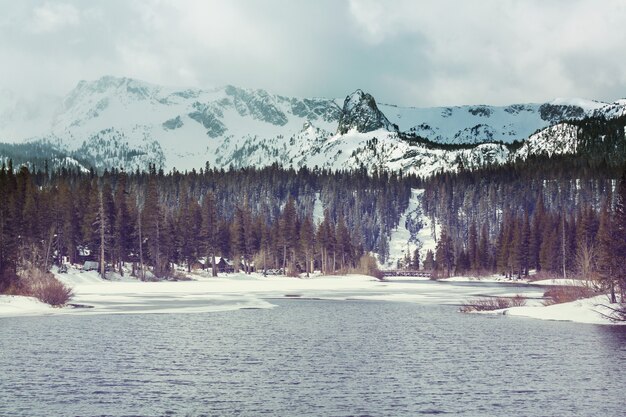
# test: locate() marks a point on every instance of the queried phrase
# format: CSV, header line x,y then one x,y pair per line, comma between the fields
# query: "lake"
x,y
310,358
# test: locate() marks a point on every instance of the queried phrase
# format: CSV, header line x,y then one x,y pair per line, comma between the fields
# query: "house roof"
x,y
225,260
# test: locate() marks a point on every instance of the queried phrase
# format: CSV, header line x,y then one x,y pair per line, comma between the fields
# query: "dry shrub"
x,y
45,287
174,275
492,303
566,294
618,314
435,275
292,272
368,266
518,301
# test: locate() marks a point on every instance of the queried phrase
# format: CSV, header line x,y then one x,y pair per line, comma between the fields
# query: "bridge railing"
x,y
407,273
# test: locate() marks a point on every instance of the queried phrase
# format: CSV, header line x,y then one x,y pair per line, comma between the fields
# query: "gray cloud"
x,y
403,51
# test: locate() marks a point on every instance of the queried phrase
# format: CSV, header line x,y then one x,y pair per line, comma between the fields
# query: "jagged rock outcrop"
x,y
360,112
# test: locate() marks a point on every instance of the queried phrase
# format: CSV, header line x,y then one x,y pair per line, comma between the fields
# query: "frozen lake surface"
x,y
310,358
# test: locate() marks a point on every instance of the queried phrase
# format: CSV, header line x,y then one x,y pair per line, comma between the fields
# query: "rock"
x,y
360,112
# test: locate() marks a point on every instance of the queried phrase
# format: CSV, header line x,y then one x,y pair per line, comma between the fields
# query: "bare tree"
x,y
585,261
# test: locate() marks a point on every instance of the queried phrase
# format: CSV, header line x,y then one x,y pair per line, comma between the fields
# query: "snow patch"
x,y
13,305
402,241
590,310
585,104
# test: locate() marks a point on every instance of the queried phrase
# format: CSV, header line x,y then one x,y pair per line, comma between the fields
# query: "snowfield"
x,y
94,295
14,305
590,310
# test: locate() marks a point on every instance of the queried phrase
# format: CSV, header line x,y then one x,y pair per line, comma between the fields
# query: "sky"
x,y
405,52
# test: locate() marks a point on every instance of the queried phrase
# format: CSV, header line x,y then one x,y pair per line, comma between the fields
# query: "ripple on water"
x,y
309,358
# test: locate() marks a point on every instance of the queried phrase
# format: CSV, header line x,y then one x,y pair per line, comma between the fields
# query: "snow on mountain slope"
x,y
468,124
122,122
386,150
613,110
481,123
184,129
587,105
544,143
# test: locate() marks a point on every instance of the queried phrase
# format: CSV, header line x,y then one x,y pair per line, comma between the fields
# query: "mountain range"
x,y
127,123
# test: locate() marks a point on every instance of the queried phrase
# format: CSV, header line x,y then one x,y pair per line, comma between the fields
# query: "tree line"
x,y
296,221
562,215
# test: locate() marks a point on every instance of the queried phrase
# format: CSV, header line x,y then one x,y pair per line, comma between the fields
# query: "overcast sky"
x,y
418,53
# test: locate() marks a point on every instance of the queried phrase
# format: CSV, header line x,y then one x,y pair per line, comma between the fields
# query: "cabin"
x,y
198,264
225,265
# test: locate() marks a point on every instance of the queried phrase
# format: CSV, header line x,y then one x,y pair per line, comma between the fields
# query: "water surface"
x,y
310,358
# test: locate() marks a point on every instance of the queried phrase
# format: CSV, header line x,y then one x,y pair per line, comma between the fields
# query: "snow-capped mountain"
x,y
122,122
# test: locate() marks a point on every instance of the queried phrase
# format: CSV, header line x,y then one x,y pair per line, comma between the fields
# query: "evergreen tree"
x,y
619,236
8,232
473,252
536,233
429,261
483,249
343,243
444,253
210,229
102,225
520,246
415,261
307,243
152,225
289,235
122,226
607,261
325,239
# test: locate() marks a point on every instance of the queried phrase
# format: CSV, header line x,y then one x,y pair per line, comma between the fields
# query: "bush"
x,y
368,266
617,314
45,287
517,301
566,294
492,303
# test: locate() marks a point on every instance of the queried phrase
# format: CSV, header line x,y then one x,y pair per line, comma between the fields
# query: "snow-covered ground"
x,y
240,291
233,291
561,281
593,310
11,305
589,310
495,278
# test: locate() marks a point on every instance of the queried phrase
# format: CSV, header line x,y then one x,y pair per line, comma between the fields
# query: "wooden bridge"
x,y
406,273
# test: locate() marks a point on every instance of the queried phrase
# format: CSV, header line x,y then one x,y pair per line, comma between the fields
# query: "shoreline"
x,y
93,295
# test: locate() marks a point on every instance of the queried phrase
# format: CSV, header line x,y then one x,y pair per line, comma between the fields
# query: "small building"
x,y
225,265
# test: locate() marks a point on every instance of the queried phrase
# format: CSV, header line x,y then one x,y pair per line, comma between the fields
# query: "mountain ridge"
x,y
123,122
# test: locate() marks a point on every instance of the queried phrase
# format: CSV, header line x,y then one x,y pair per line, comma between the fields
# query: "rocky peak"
x,y
360,112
